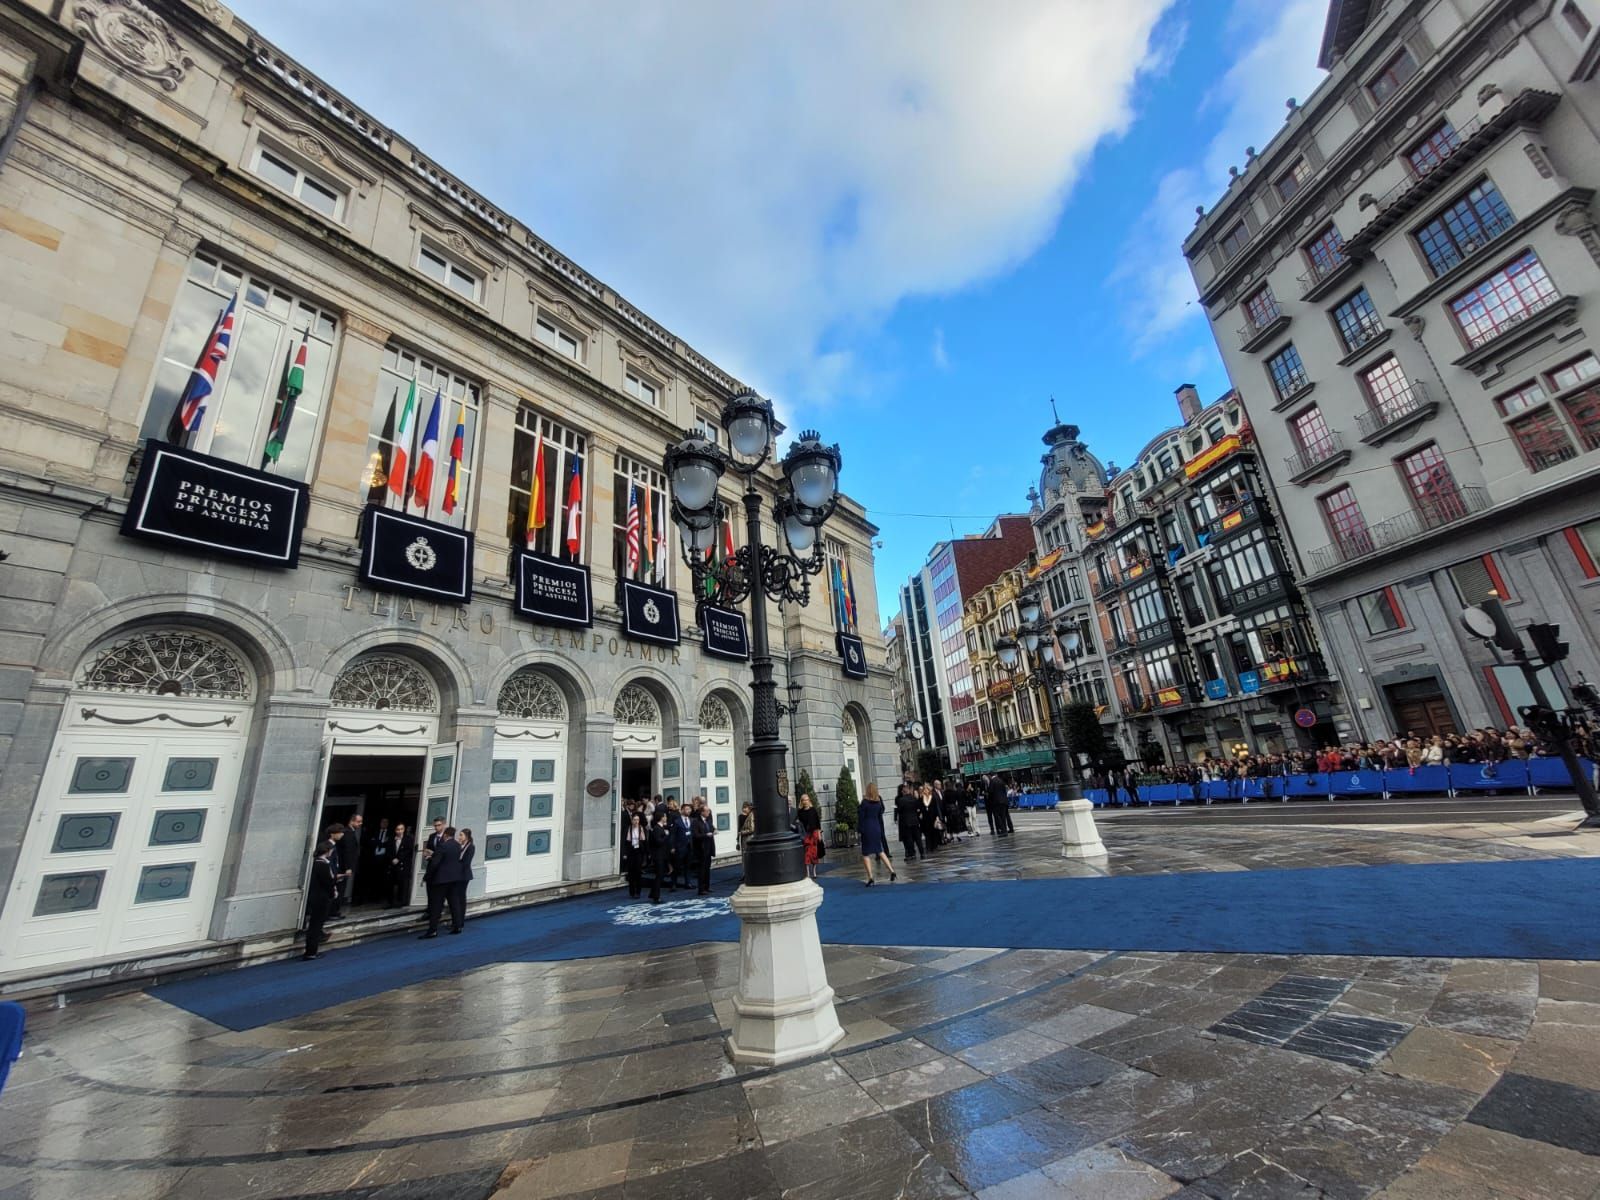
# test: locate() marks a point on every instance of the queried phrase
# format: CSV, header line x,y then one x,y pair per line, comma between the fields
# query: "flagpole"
x,y
411,454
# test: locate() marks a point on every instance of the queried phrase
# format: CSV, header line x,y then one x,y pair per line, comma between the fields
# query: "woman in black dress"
x,y
660,854
635,846
874,842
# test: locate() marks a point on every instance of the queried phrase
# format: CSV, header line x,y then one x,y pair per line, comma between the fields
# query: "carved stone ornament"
x,y
312,148
134,38
1578,223
1415,325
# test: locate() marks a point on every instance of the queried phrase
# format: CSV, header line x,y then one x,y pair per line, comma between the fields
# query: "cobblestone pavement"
x,y
1000,1073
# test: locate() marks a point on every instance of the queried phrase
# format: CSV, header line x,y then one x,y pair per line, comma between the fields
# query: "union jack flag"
x,y
633,530
191,408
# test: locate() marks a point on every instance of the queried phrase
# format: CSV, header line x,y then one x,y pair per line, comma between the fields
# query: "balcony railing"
x,y
1324,273
1377,424
1433,513
1284,672
1312,459
1104,583
1442,154
1367,331
1124,643
1259,326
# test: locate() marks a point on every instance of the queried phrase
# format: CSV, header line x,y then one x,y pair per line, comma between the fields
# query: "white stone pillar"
x,y
783,1010
1079,837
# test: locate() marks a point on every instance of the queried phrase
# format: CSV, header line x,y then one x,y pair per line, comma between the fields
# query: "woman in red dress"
x,y
810,821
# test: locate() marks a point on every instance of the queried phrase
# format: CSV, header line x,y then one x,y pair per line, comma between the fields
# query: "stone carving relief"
x,y
1539,159
1578,223
134,38
556,305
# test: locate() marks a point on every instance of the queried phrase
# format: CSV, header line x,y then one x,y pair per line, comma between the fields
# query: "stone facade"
x,y
1402,285
150,144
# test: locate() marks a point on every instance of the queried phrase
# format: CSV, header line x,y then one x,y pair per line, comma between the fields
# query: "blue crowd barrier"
x,y
1314,784
1356,783
1552,772
1219,789
1511,775
1159,793
1098,797
1037,800
1422,779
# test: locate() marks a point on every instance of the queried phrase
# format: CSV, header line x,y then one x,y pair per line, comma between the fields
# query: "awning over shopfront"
x,y
1010,762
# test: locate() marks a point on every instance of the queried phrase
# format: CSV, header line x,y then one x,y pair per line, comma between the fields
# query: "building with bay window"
x,y
327,488
1403,286
1210,646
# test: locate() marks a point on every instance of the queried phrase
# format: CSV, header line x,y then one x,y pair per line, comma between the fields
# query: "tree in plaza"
x,y
845,806
805,787
930,765
1084,734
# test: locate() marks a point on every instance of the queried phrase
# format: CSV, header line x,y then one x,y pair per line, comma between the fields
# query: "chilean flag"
x,y
422,481
458,448
191,409
574,510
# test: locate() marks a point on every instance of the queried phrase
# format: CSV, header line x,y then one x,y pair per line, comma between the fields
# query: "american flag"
x,y
633,530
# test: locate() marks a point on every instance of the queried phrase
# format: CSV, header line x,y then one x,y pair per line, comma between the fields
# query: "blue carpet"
x,y
1525,909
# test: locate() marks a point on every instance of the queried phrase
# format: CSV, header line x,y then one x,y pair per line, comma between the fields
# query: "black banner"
x,y
401,553
854,655
205,505
552,592
649,614
723,633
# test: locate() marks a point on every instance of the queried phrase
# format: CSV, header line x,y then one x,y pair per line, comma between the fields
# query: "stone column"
x,y
277,808
337,493
589,845
497,436
475,732
36,721
125,408
601,466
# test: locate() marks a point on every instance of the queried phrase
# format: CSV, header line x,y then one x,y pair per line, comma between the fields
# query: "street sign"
x,y
1304,718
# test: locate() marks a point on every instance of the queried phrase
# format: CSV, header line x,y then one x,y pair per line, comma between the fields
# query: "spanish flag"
x,y
536,497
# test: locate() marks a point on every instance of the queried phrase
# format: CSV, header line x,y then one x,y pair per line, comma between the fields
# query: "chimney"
x,y
1188,402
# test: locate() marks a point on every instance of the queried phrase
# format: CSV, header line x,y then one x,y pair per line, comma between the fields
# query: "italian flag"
x,y
399,465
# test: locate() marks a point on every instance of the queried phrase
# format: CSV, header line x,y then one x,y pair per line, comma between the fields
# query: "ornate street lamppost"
x,y
783,1008
1079,837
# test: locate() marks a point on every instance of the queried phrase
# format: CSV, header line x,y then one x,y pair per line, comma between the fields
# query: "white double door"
x,y
718,782
521,847
125,848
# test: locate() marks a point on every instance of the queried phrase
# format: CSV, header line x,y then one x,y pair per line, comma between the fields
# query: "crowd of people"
x,y
384,864
929,816
1400,753
669,841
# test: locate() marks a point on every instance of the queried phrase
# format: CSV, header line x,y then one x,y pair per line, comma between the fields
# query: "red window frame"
x,y
1325,251
1311,433
1394,607
1431,483
1504,299
1341,512
1433,149
1388,390
1581,553
1261,308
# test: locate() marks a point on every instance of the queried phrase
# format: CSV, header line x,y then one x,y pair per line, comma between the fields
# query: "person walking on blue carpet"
x,y
444,870
908,822
874,841
320,895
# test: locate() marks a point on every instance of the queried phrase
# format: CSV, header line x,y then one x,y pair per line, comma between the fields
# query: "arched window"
x,y
531,695
714,714
636,706
170,662
385,682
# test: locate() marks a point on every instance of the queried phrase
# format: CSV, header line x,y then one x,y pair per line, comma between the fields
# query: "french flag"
x,y
191,408
422,481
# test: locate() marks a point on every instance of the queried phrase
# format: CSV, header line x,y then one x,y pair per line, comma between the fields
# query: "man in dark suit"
x,y
999,805
431,843
350,858
444,870
399,851
335,833
319,898
703,831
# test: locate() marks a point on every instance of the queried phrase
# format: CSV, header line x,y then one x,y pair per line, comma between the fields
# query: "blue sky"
x,y
910,224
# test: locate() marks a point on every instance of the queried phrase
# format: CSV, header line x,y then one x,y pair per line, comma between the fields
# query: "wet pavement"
x,y
996,1072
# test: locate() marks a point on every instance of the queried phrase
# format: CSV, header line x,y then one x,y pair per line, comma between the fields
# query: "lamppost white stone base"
x,y
1079,837
783,1010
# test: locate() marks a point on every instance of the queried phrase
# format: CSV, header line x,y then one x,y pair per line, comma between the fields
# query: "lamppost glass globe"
x,y
800,536
1028,606
748,421
694,482
1006,649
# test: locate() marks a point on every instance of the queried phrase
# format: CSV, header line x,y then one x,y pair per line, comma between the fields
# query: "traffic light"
x,y
1543,721
1547,643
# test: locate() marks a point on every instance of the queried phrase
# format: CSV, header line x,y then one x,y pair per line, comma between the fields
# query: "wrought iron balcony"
x,y
1260,327
1124,643
1322,276
1328,454
1286,672
1394,418
1434,513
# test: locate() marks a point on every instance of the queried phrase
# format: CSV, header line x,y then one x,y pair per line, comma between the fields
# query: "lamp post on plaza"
x,y
783,1008
1079,837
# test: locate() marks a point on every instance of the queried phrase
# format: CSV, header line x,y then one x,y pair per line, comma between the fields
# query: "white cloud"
x,y
762,178
1279,61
